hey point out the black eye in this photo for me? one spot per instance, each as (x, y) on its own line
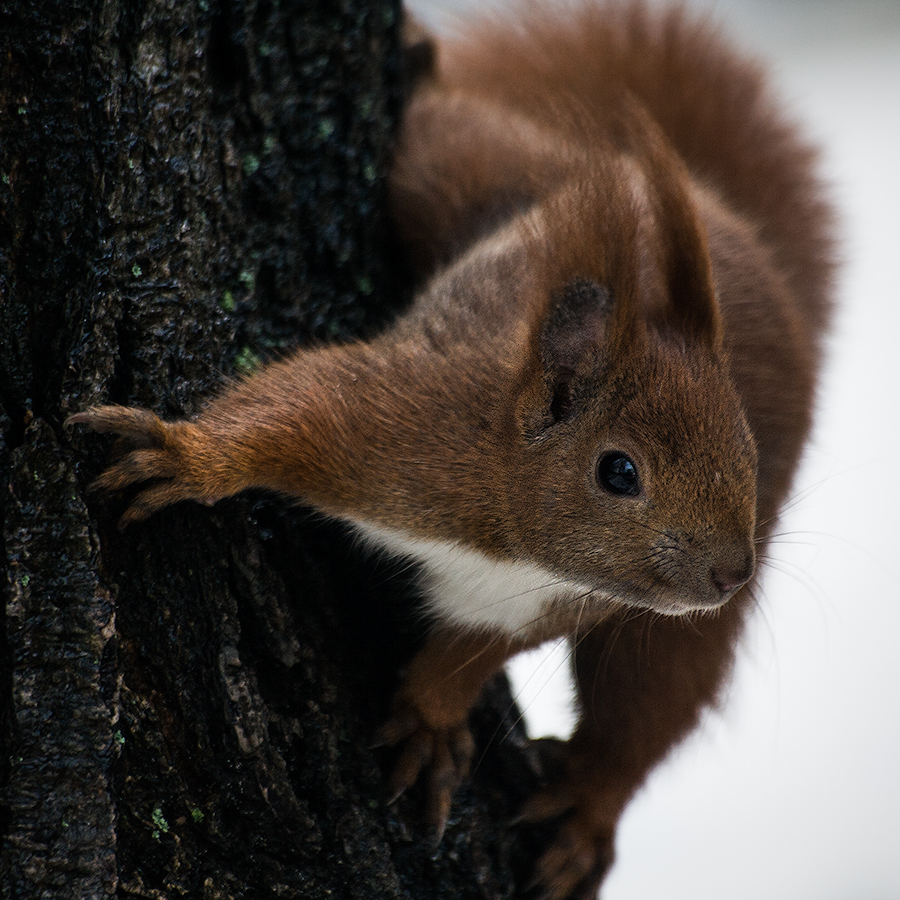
(618, 474)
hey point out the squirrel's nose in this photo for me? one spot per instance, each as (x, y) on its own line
(732, 570)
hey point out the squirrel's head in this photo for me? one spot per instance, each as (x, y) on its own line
(636, 468)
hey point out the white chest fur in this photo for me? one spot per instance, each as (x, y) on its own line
(468, 588)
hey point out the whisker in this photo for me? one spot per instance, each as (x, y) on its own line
(474, 657)
(837, 538)
(801, 576)
(551, 611)
(806, 492)
(663, 533)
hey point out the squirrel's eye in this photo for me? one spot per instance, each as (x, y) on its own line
(618, 474)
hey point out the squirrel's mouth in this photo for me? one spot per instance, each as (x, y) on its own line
(676, 604)
(697, 589)
(670, 598)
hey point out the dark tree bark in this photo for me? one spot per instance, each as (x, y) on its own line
(188, 188)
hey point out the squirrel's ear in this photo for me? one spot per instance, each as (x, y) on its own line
(692, 309)
(572, 344)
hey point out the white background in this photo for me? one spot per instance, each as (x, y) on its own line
(793, 792)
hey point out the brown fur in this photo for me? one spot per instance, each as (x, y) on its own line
(629, 252)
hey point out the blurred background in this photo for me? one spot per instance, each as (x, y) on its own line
(792, 792)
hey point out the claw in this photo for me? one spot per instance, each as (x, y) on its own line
(437, 832)
(576, 863)
(416, 754)
(544, 806)
(445, 751)
(444, 780)
(402, 724)
(140, 426)
(139, 465)
(462, 748)
(149, 501)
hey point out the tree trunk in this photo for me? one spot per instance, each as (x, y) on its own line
(189, 188)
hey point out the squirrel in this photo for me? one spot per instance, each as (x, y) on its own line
(588, 419)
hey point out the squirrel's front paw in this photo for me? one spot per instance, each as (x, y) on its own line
(444, 750)
(149, 450)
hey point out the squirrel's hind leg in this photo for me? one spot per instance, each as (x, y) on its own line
(643, 683)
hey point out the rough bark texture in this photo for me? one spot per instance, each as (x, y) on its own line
(186, 706)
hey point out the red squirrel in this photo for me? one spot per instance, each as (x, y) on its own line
(587, 421)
